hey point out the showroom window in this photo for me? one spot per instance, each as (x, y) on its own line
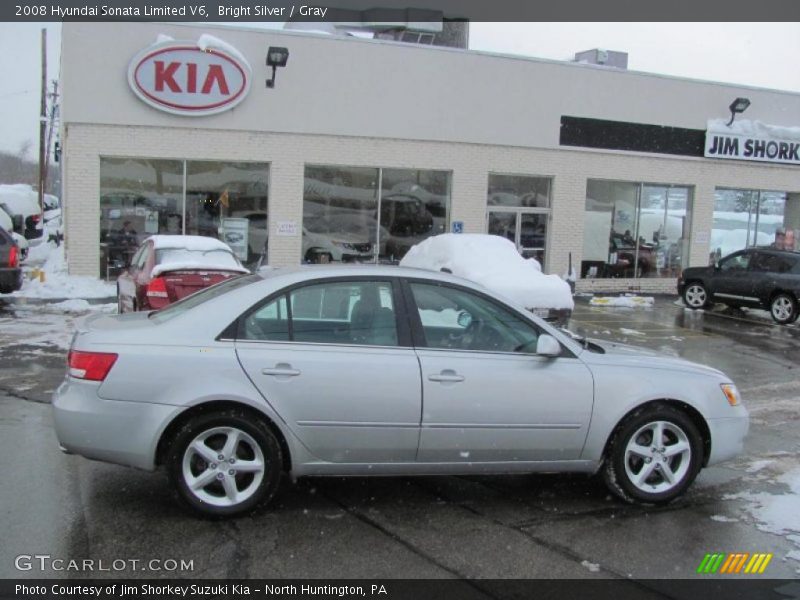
(635, 230)
(745, 218)
(518, 208)
(140, 197)
(361, 214)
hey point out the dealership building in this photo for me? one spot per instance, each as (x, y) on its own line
(352, 149)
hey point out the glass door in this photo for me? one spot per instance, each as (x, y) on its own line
(526, 228)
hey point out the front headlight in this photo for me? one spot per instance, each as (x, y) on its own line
(731, 393)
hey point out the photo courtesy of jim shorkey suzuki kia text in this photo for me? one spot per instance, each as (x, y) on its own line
(191, 590)
(159, 12)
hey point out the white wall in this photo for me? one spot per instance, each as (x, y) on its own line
(355, 87)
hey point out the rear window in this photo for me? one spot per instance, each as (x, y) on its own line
(197, 259)
(198, 298)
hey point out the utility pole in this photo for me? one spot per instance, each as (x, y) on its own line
(43, 124)
(51, 127)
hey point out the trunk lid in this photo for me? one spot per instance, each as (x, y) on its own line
(183, 283)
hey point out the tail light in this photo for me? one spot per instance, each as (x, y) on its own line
(92, 366)
(35, 218)
(13, 257)
(157, 288)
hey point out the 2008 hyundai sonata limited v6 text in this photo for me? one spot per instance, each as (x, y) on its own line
(370, 370)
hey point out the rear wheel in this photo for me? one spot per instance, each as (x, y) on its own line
(654, 456)
(225, 463)
(783, 308)
(695, 295)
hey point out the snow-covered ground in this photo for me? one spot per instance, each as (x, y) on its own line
(57, 283)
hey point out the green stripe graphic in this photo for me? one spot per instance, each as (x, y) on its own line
(718, 563)
(702, 567)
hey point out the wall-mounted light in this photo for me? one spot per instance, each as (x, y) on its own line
(276, 57)
(738, 106)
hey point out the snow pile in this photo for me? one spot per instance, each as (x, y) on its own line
(73, 305)
(626, 331)
(207, 42)
(493, 262)
(753, 129)
(193, 252)
(623, 301)
(58, 284)
(593, 567)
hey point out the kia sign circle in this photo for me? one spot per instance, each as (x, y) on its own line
(183, 79)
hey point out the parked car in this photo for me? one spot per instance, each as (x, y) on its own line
(21, 202)
(494, 262)
(166, 268)
(756, 277)
(8, 224)
(10, 272)
(380, 370)
(339, 238)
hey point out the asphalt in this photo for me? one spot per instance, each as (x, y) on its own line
(542, 526)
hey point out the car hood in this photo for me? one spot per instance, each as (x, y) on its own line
(638, 357)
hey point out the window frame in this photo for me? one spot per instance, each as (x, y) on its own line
(404, 337)
(418, 331)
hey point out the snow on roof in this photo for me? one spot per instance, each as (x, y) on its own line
(20, 198)
(753, 128)
(194, 253)
(493, 262)
(195, 243)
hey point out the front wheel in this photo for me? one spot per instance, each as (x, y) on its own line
(654, 456)
(695, 296)
(783, 309)
(225, 463)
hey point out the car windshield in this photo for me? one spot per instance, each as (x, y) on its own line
(196, 299)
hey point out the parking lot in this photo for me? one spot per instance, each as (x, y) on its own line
(543, 526)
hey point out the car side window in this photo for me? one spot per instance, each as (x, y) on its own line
(772, 263)
(137, 257)
(735, 263)
(268, 323)
(456, 319)
(352, 312)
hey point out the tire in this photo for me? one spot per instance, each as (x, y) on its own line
(206, 488)
(783, 308)
(695, 295)
(627, 470)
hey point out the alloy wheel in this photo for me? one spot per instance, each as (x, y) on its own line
(223, 466)
(782, 309)
(657, 457)
(696, 296)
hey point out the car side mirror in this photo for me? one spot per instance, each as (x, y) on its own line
(547, 345)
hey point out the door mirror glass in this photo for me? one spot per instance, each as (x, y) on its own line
(547, 345)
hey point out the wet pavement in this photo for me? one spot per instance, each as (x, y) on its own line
(550, 526)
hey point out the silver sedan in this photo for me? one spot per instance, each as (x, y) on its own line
(369, 370)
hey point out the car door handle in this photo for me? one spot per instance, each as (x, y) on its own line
(281, 370)
(446, 376)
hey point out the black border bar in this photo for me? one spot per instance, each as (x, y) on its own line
(404, 10)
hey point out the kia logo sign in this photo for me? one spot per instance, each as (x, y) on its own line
(183, 79)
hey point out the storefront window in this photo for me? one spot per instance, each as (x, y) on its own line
(228, 201)
(138, 198)
(143, 197)
(635, 229)
(519, 209)
(744, 218)
(359, 214)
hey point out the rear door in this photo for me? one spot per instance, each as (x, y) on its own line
(335, 361)
(487, 397)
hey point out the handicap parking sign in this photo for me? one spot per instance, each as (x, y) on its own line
(458, 227)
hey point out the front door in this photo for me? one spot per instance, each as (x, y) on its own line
(733, 280)
(487, 397)
(329, 359)
(527, 228)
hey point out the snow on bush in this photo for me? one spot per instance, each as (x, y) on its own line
(493, 262)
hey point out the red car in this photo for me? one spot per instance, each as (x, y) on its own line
(166, 268)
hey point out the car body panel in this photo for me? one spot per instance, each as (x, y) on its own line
(331, 416)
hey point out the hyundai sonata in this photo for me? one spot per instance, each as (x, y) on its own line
(370, 370)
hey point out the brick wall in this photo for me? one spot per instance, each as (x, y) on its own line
(470, 165)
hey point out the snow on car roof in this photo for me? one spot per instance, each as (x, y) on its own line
(493, 262)
(193, 243)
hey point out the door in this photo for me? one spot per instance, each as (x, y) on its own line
(525, 227)
(733, 280)
(330, 359)
(486, 396)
